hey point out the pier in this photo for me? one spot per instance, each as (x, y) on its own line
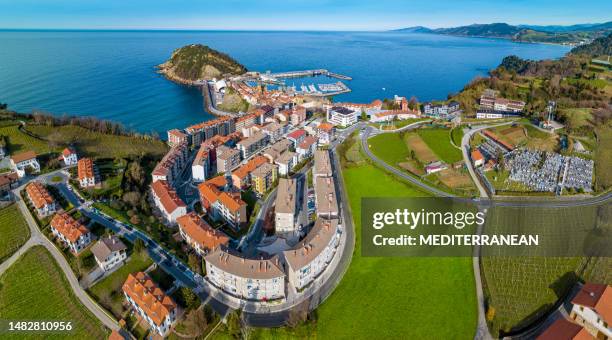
(307, 73)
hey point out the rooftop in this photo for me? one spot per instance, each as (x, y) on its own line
(106, 246)
(167, 196)
(247, 268)
(286, 196)
(200, 232)
(312, 245)
(38, 194)
(149, 297)
(68, 226)
(24, 156)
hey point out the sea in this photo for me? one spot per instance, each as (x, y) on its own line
(112, 75)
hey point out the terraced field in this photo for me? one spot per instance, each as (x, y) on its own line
(20, 142)
(14, 231)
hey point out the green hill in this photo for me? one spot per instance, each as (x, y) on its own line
(195, 62)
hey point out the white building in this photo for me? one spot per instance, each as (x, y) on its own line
(592, 309)
(250, 279)
(173, 163)
(109, 252)
(86, 173)
(309, 258)
(286, 162)
(168, 201)
(341, 116)
(322, 164)
(326, 202)
(69, 156)
(150, 302)
(71, 232)
(306, 148)
(287, 212)
(25, 161)
(42, 201)
(201, 166)
(200, 236)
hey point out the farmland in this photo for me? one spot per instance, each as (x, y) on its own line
(430, 285)
(48, 290)
(14, 231)
(20, 142)
(438, 140)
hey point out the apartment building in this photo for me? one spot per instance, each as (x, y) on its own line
(23, 162)
(298, 115)
(222, 201)
(326, 133)
(306, 148)
(109, 252)
(296, 137)
(440, 110)
(41, 200)
(177, 137)
(250, 279)
(322, 164)
(221, 126)
(69, 156)
(287, 212)
(227, 158)
(274, 151)
(309, 258)
(167, 201)
(286, 162)
(274, 131)
(252, 145)
(202, 165)
(71, 232)
(86, 173)
(341, 116)
(241, 177)
(263, 178)
(326, 201)
(173, 163)
(200, 236)
(150, 302)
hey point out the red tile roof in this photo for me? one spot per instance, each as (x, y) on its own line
(24, 156)
(597, 297)
(38, 194)
(68, 151)
(200, 232)
(297, 134)
(561, 330)
(477, 155)
(167, 196)
(243, 171)
(149, 297)
(68, 226)
(326, 126)
(85, 168)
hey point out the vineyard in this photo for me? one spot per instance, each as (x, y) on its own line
(14, 231)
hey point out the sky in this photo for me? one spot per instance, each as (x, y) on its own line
(293, 14)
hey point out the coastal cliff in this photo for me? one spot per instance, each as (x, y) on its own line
(191, 63)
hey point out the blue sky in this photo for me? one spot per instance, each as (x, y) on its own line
(293, 14)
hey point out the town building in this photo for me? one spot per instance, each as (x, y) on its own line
(322, 164)
(177, 137)
(278, 148)
(288, 218)
(434, 167)
(250, 279)
(109, 252)
(202, 166)
(341, 116)
(71, 232)
(8, 182)
(227, 159)
(391, 115)
(252, 145)
(150, 302)
(369, 109)
(286, 162)
(477, 158)
(592, 309)
(86, 173)
(296, 137)
(167, 201)
(42, 201)
(306, 148)
(326, 133)
(274, 131)
(440, 110)
(490, 102)
(298, 115)
(563, 329)
(241, 177)
(311, 256)
(200, 236)
(69, 156)
(326, 201)
(221, 126)
(222, 201)
(24, 162)
(172, 164)
(492, 114)
(264, 177)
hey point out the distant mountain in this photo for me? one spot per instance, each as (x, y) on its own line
(415, 29)
(554, 34)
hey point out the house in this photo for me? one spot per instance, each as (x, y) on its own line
(306, 148)
(200, 236)
(326, 133)
(245, 278)
(24, 162)
(71, 232)
(326, 201)
(227, 158)
(562, 329)
(288, 213)
(8, 182)
(86, 173)
(341, 116)
(252, 145)
(167, 201)
(322, 164)
(69, 156)
(263, 178)
(477, 158)
(592, 309)
(42, 201)
(150, 302)
(286, 162)
(435, 167)
(310, 257)
(222, 201)
(109, 252)
(296, 137)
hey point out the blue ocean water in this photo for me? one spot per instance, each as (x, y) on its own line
(111, 74)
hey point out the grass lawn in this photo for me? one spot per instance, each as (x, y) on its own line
(438, 141)
(34, 288)
(457, 135)
(603, 158)
(20, 142)
(390, 147)
(397, 297)
(108, 291)
(97, 145)
(14, 231)
(393, 125)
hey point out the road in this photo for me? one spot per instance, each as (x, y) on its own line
(37, 238)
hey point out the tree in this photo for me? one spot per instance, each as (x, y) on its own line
(189, 297)
(413, 104)
(195, 263)
(132, 198)
(234, 324)
(364, 115)
(139, 245)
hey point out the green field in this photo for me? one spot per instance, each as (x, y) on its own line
(97, 145)
(457, 135)
(389, 147)
(396, 124)
(603, 158)
(438, 141)
(14, 231)
(20, 142)
(34, 288)
(397, 297)
(108, 291)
